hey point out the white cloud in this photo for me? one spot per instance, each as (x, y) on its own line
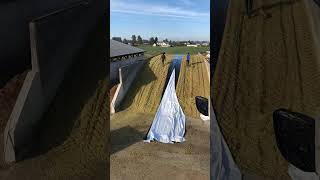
(154, 10)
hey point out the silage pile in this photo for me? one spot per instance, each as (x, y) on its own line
(264, 64)
(145, 93)
(193, 81)
(83, 155)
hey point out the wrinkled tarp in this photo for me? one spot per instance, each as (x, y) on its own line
(297, 174)
(168, 125)
(223, 166)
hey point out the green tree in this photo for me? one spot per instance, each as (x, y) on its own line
(125, 41)
(151, 41)
(140, 40)
(156, 39)
(134, 39)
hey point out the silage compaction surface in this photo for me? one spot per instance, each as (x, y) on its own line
(264, 64)
(146, 91)
(193, 81)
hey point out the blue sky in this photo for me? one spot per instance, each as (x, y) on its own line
(172, 19)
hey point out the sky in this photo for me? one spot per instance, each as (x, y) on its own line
(172, 19)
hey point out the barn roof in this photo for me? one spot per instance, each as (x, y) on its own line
(120, 49)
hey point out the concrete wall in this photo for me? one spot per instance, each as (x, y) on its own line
(15, 15)
(115, 65)
(127, 75)
(207, 64)
(55, 41)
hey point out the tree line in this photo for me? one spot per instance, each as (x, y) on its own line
(138, 40)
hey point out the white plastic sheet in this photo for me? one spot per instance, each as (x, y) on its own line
(168, 125)
(298, 174)
(223, 166)
(204, 118)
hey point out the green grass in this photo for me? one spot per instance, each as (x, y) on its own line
(151, 51)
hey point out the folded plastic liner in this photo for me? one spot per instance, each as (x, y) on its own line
(223, 166)
(297, 174)
(168, 125)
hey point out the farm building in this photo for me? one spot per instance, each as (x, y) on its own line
(163, 44)
(122, 55)
(205, 44)
(192, 45)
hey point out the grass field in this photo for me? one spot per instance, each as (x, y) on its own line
(172, 50)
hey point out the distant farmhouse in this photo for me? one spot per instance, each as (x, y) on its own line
(192, 45)
(163, 44)
(205, 44)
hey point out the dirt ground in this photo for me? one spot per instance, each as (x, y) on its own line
(72, 140)
(265, 63)
(131, 158)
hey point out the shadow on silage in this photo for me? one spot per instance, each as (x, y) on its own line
(79, 84)
(124, 137)
(144, 77)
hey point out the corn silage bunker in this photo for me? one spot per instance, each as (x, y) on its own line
(127, 75)
(56, 39)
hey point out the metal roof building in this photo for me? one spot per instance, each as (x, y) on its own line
(119, 51)
(122, 55)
